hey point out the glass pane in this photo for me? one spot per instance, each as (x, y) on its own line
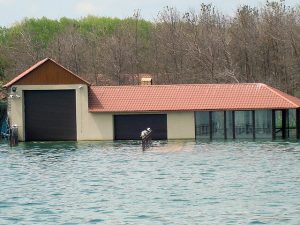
(218, 125)
(263, 124)
(229, 124)
(291, 123)
(278, 123)
(202, 124)
(243, 124)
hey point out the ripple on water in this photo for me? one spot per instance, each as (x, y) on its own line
(172, 183)
(95, 221)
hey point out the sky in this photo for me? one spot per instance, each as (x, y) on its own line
(12, 11)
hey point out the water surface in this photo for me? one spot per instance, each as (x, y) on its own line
(172, 183)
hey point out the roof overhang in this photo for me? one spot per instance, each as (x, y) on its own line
(37, 65)
(188, 97)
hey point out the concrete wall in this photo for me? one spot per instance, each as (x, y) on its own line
(96, 126)
(90, 126)
(181, 125)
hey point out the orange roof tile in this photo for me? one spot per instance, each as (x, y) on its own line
(26, 72)
(188, 97)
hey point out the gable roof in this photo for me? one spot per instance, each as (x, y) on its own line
(188, 97)
(20, 79)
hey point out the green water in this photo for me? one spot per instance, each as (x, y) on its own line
(172, 183)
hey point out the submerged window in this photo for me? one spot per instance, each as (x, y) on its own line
(291, 123)
(209, 125)
(278, 124)
(217, 125)
(229, 124)
(202, 125)
(243, 124)
(263, 124)
(285, 123)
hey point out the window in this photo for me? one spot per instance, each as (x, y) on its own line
(202, 125)
(243, 124)
(229, 124)
(263, 124)
(291, 123)
(239, 124)
(217, 125)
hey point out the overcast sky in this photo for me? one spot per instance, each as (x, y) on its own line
(12, 11)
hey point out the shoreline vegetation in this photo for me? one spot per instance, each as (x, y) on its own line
(199, 46)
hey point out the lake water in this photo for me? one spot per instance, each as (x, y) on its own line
(172, 183)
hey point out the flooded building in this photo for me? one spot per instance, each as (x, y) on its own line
(50, 103)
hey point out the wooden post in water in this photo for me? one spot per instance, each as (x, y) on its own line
(146, 136)
(13, 137)
(284, 123)
(298, 123)
(273, 124)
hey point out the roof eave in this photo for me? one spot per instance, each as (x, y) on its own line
(32, 68)
(21, 75)
(186, 110)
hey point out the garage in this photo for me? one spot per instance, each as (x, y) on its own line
(129, 127)
(50, 115)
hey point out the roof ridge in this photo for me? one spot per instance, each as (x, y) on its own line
(68, 70)
(24, 73)
(280, 95)
(168, 85)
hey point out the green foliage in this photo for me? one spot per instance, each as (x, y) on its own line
(144, 27)
(103, 26)
(99, 25)
(3, 35)
(66, 22)
(41, 30)
(254, 45)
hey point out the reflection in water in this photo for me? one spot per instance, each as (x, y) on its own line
(174, 182)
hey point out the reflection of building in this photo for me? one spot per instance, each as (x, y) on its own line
(48, 102)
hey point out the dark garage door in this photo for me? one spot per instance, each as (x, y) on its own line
(50, 115)
(129, 127)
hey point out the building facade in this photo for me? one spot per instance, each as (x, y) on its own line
(49, 103)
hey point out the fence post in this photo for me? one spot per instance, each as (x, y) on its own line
(146, 136)
(298, 123)
(13, 138)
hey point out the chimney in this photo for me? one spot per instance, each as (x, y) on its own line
(146, 81)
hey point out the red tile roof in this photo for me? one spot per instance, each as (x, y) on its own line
(188, 97)
(26, 72)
